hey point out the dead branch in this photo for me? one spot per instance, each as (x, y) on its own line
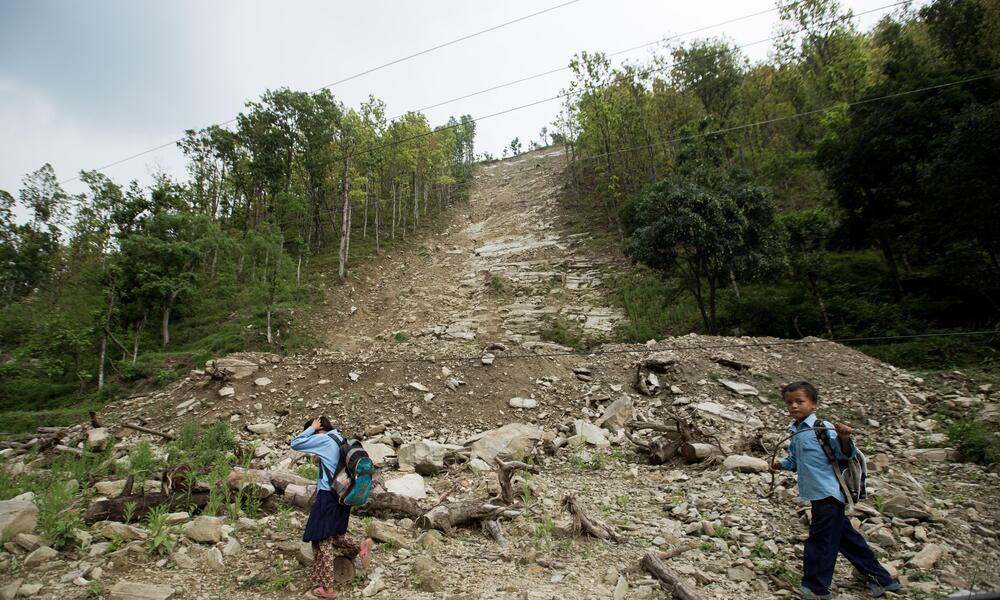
(162, 434)
(492, 528)
(591, 527)
(669, 581)
(388, 502)
(113, 509)
(448, 516)
(675, 551)
(68, 450)
(505, 470)
(93, 420)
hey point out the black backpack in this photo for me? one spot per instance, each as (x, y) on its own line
(852, 474)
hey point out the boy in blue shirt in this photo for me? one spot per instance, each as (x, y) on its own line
(830, 531)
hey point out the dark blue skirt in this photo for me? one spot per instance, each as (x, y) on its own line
(327, 518)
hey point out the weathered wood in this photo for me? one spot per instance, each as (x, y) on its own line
(675, 551)
(492, 528)
(669, 581)
(388, 502)
(505, 470)
(113, 509)
(590, 526)
(448, 516)
(279, 479)
(68, 450)
(697, 451)
(140, 428)
(343, 569)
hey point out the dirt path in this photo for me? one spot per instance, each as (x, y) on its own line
(502, 268)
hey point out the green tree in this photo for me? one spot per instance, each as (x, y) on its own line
(808, 233)
(703, 227)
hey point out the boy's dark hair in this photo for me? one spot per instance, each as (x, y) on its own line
(801, 386)
(324, 422)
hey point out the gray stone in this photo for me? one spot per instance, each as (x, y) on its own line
(429, 539)
(230, 368)
(97, 438)
(617, 414)
(744, 464)
(39, 556)
(227, 392)
(378, 452)
(418, 387)
(110, 489)
(204, 529)
(410, 486)
(425, 456)
(129, 590)
(213, 560)
(9, 590)
(742, 389)
(232, 547)
(28, 590)
(261, 428)
(934, 455)
(380, 531)
(522, 403)
(714, 408)
(513, 440)
(115, 530)
(928, 555)
(426, 575)
(593, 434)
(28, 541)
(183, 561)
(262, 382)
(17, 516)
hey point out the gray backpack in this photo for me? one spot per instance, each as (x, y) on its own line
(852, 474)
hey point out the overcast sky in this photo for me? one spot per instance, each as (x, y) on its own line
(84, 83)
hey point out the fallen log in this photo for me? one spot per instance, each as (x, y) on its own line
(388, 502)
(697, 451)
(590, 526)
(113, 509)
(279, 479)
(446, 517)
(140, 428)
(669, 581)
(68, 450)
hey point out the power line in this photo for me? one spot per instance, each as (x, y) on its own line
(352, 77)
(641, 350)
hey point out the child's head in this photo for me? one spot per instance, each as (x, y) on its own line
(800, 399)
(324, 423)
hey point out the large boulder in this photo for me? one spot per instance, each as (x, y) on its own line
(97, 438)
(513, 440)
(411, 486)
(129, 590)
(230, 368)
(204, 529)
(378, 452)
(425, 456)
(743, 389)
(17, 515)
(617, 414)
(383, 532)
(928, 555)
(714, 408)
(39, 556)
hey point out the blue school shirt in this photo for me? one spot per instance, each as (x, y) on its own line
(322, 446)
(807, 458)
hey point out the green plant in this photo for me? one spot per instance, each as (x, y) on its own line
(158, 543)
(57, 519)
(115, 544)
(781, 571)
(560, 332)
(721, 531)
(976, 441)
(94, 589)
(543, 532)
(759, 550)
(622, 502)
(707, 547)
(308, 470)
(280, 582)
(878, 502)
(400, 336)
(129, 511)
(527, 498)
(496, 285)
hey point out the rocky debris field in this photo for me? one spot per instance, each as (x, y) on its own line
(439, 390)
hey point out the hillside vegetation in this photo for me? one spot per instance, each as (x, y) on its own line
(845, 187)
(124, 286)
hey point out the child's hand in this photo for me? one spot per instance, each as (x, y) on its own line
(776, 465)
(843, 431)
(317, 424)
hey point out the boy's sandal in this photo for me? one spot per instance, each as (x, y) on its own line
(321, 592)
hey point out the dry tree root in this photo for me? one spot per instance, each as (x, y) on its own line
(589, 526)
(682, 437)
(669, 581)
(505, 470)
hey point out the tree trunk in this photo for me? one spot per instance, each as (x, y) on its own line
(135, 343)
(345, 231)
(166, 325)
(735, 284)
(669, 581)
(814, 288)
(697, 452)
(885, 244)
(298, 272)
(416, 202)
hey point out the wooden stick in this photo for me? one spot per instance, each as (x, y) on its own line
(591, 527)
(669, 581)
(69, 450)
(675, 551)
(162, 434)
(93, 419)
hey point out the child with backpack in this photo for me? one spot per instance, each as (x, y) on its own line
(814, 457)
(326, 527)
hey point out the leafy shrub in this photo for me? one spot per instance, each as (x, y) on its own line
(159, 542)
(57, 519)
(976, 441)
(564, 334)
